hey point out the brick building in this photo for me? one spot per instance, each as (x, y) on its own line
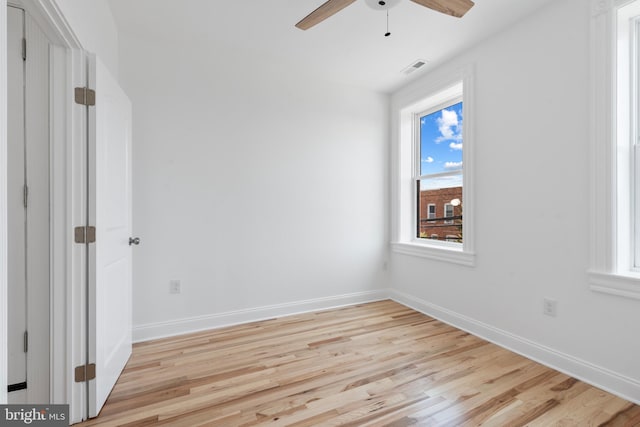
(439, 219)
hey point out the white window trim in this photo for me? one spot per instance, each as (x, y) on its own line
(440, 86)
(609, 270)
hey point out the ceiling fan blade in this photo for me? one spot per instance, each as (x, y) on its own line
(326, 10)
(455, 8)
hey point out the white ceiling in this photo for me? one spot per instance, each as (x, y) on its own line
(349, 47)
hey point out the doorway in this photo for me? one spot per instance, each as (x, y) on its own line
(72, 302)
(28, 209)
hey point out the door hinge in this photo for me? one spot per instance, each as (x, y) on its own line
(17, 387)
(26, 341)
(85, 234)
(24, 49)
(25, 195)
(85, 372)
(85, 96)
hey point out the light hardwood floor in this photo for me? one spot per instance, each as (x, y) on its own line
(377, 364)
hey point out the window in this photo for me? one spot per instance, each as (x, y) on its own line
(448, 213)
(432, 168)
(615, 153)
(627, 133)
(439, 157)
(633, 142)
(431, 212)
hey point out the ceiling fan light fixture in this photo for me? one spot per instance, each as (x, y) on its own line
(456, 8)
(382, 4)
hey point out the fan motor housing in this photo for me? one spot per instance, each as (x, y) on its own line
(381, 4)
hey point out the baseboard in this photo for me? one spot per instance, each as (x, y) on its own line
(171, 328)
(600, 377)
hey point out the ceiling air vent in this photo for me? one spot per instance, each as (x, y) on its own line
(413, 67)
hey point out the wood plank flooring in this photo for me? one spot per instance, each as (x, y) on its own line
(377, 364)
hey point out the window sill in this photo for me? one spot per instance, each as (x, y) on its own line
(623, 285)
(439, 253)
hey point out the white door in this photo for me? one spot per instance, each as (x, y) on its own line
(16, 218)
(110, 271)
(28, 214)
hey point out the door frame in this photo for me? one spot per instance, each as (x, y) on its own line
(68, 151)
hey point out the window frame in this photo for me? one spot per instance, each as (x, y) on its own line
(611, 270)
(437, 88)
(634, 142)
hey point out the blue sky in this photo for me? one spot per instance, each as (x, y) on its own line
(441, 140)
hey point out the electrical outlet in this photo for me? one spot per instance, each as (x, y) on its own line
(550, 307)
(174, 287)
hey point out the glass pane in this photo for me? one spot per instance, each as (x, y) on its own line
(443, 193)
(441, 140)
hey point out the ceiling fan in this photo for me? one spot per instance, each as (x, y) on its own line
(456, 8)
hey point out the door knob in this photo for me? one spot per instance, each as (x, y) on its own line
(134, 241)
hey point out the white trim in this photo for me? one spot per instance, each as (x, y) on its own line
(3, 202)
(59, 231)
(67, 195)
(171, 328)
(602, 177)
(76, 188)
(615, 284)
(49, 17)
(434, 89)
(600, 377)
(445, 251)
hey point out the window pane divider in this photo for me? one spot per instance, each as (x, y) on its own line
(440, 174)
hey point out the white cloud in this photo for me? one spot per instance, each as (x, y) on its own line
(453, 165)
(456, 145)
(428, 160)
(449, 126)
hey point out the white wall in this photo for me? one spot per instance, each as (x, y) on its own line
(532, 181)
(253, 186)
(93, 24)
